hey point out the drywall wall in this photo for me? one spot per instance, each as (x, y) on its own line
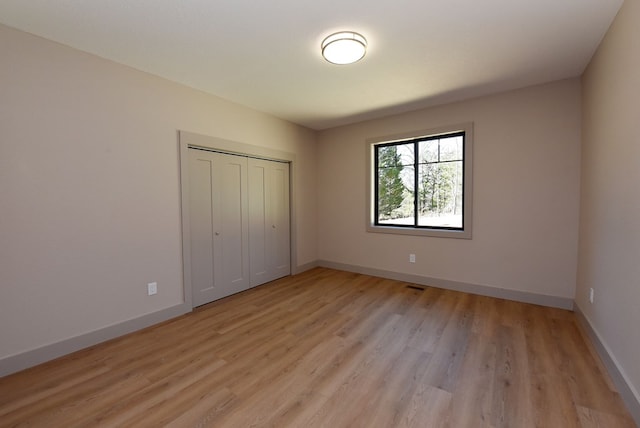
(525, 202)
(609, 247)
(90, 190)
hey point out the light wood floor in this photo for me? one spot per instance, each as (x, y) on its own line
(330, 349)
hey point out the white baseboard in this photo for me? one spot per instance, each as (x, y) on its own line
(629, 395)
(483, 290)
(24, 360)
(305, 267)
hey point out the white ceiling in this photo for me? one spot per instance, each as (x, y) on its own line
(266, 54)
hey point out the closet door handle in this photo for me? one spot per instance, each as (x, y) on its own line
(217, 233)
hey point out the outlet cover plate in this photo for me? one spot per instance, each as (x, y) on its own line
(152, 288)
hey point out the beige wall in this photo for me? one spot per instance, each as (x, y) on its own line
(609, 251)
(526, 194)
(90, 192)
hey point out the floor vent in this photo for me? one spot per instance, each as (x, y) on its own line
(415, 287)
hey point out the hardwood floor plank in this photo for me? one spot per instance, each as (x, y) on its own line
(550, 396)
(330, 349)
(472, 399)
(206, 411)
(578, 369)
(393, 391)
(512, 391)
(193, 380)
(451, 346)
(20, 391)
(429, 408)
(438, 312)
(590, 418)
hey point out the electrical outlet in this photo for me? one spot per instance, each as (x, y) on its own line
(412, 258)
(591, 295)
(152, 288)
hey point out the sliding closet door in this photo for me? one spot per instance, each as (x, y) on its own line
(269, 251)
(218, 220)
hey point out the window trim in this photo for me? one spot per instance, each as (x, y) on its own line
(465, 233)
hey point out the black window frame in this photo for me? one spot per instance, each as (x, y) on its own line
(464, 130)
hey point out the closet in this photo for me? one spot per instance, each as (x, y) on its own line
(239, 223)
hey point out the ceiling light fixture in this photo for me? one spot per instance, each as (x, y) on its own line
(345, 47)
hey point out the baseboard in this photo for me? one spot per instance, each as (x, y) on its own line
(305, 267)
(629, 395)
(18, 362)
(483, 290)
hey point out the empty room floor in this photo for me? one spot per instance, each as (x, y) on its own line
(328, 348)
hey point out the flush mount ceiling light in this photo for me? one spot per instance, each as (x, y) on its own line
(345, 47)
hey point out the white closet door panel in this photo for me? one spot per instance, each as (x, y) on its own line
(258, 253)
(269, 220)
(201, 228)
(233, 223)
(218, 220)
(279, 208)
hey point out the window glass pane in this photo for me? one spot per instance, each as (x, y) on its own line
(450, 149)
(406, 152)
(440, 194)
(428, 151)
(387, 156)
(395, 194)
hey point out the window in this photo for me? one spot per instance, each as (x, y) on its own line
(420, 184)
